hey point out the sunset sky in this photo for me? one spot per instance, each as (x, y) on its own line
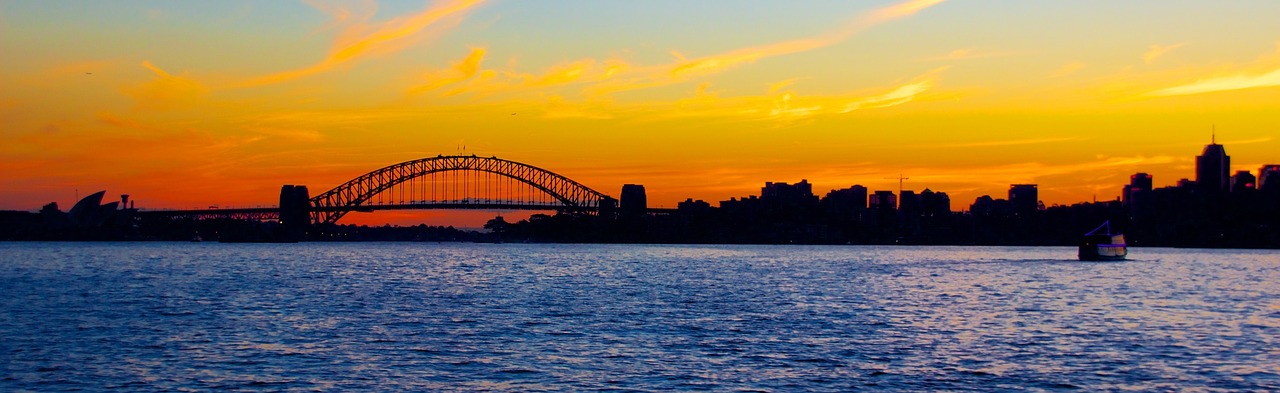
(184, 103)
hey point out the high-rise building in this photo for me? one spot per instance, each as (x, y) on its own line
(634, 201)
(1024, 198)
(1212, 169)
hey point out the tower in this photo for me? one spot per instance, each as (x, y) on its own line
(634, 202)
(1212, 166)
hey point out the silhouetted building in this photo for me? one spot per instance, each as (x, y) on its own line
(909, 203)
(1024, 198)
(295, 210)
(1139, 183)
(847, 204)
(1269, 178)
(987, 206)
(788, 194)
(1243, 181)
(1136, 196)
(882, 200)
(934, 204)
(788, 201)
(634, 201)
(608, 207)
(690, 206)
(91, 212)
(1212, 168)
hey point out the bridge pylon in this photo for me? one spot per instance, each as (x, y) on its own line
(295, 208)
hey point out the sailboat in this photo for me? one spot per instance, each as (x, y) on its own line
(1102, 245)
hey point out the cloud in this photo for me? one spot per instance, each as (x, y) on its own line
(487, 81)
(167, 91)
(898, 96)
(1156, 51)
(1222, 83)
(616, 76)
(360, 40)
(1248, 141)
(464, 69)
(787, 105)
(717, 63)
(1265, 72)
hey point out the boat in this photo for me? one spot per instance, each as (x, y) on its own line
(1102, 245)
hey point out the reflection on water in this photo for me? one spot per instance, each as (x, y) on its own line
(165, 317)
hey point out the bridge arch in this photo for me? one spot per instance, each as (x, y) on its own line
(355, 194)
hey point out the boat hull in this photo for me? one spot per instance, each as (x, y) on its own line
(1103, 252)
(1102, 245)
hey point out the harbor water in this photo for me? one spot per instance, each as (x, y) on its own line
(520, 317)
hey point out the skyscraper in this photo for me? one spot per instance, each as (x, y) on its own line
(1212, 167)
(634, 201)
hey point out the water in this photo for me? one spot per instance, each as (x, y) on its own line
(474, 317)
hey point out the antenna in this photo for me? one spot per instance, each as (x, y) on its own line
(1213, 135)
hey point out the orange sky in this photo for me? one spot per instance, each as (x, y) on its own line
(184, 105)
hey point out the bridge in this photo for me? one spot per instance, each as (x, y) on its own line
(441, 182)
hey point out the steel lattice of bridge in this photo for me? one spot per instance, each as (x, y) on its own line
(457, 182)
(441, 182)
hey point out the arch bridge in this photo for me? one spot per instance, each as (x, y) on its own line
(440, 182)
(449, 182)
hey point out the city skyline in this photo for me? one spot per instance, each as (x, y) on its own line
(186, 104)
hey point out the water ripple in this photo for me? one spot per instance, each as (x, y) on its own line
(324, 317)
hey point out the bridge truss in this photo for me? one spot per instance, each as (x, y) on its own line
(457, 182)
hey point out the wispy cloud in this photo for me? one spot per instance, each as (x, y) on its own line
(787, 105)
(602, 78)
(715, 63)
(1156, 51)
(361, 40)
(166, 91)
(1265, 72)
(898, 96)
(1248, 141)
(464, 69)
(1223, 83)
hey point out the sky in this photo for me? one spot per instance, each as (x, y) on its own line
(184, 104)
